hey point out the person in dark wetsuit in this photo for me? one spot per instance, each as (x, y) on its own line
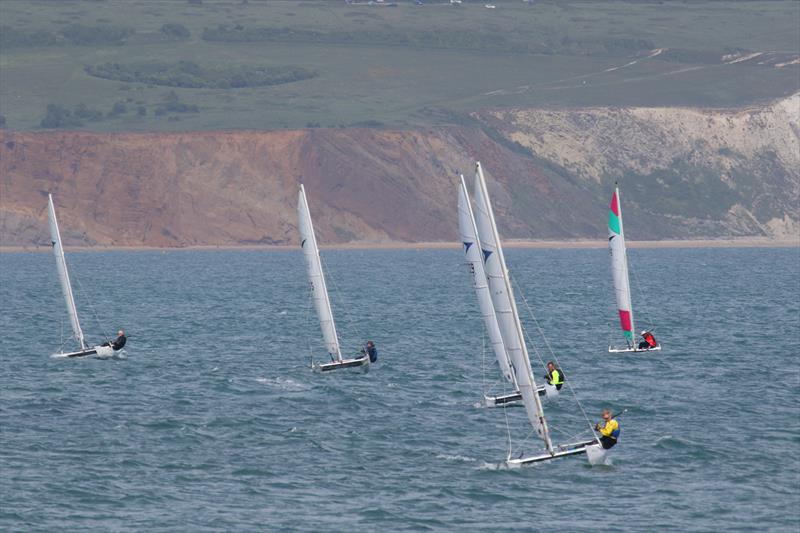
(554, 376)
(648, 342)
(372, 352)
(117, 343)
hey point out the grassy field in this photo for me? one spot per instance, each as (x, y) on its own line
(393, 66)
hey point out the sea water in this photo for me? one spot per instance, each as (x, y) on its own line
(213, 420)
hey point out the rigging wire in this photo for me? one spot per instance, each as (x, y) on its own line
(340, 296)
(305, 327)
(640, 290)
(94, 311)
(483, 363)
(552, 354)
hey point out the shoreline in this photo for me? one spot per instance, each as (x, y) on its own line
(745, 242)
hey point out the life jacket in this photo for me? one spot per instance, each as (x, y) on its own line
(373, 354)
(557, 377)
(650, 340)
(615, 432)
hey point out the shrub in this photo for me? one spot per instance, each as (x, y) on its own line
(175, 31)
(119, 108)
(187, 74)
(96, 35)
(59, 117)
(83, 112)
(12, 37)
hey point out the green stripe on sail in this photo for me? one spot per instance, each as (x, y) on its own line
(613, 222)
(629, 335)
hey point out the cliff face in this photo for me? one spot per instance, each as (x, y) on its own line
(685, 173)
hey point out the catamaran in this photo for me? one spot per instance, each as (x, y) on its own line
(503, 300)
(319, 293)
(622, 283)
(66, 289)
(472, 249)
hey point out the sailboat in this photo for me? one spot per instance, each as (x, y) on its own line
(622, 282)
(66, 289)
(319, 292)
(472, 249)
(502, 296)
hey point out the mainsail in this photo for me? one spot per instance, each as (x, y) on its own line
(63, 275)
(319, 290)
(472, 249)
(506, 308)
(619, 267)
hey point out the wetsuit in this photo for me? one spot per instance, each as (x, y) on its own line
(373, 354)
(118, 343)
(609, 434)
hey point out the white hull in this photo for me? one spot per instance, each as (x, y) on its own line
(562, 450)
(550, 391)
(597, 455)
(97, 351)
(614, 349)
(503, 399)
(358, 362)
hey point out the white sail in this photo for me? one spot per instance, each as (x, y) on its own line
(472, 249)
(506, 308)
(619, 268)
(319, 290)
(63, 275)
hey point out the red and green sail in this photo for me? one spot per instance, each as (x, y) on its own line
(619, 267)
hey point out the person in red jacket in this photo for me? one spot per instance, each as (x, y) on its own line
(648, 342)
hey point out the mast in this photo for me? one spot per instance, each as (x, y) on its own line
(619, 267)
(63, 274)
(319, 290)
(506, 308)
(472, 249)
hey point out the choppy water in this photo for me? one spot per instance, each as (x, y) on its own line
(214, 421)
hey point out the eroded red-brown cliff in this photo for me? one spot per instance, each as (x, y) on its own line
(685, 173)
(229, 188)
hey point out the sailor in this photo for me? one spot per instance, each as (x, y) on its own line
(609, 433)
(554, 376)
(372, 352)
(118, 343)
(648, 342)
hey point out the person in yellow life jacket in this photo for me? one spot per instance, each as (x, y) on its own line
(554, 376)
(648, 342)
(609, 433)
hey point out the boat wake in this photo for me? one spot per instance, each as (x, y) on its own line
(284, 384)
(459, 458)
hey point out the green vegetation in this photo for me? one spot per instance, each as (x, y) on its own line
(81, 115)
(398, 67)
(75, 34)
(59, 117)
(11, 37)
(191, 75)
(172, 104)
(104, 34)
(176, 31)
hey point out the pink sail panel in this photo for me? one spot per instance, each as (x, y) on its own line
(625, 323)
(625, 320)
(614, 204)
